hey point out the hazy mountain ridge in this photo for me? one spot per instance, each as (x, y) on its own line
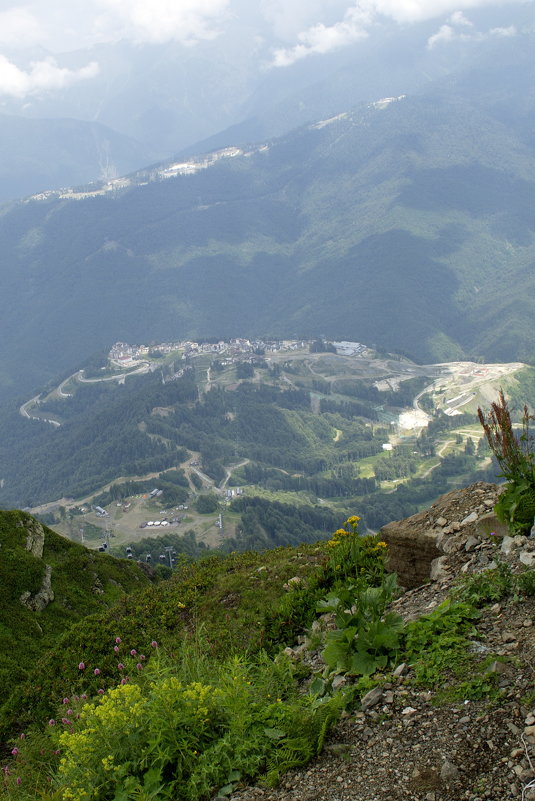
(416, 213)
(38, 154)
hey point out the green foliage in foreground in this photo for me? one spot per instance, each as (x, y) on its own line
(216, 703)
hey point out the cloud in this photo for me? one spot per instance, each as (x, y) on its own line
(359, 18)
(322, 38)
(42, 76)
(160, 21)
(457, 30)
(19, 27)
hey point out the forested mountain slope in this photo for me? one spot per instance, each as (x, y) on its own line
(406, 223)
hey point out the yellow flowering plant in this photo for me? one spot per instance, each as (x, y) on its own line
(354, 556)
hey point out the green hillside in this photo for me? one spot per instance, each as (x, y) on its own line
(406, 224)
(47, 583)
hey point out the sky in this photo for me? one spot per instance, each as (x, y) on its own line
(291, 30)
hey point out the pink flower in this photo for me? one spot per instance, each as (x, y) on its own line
(154, 644)
(142, 657)
(83, 697)
(81, 666)
(133, 652)
(56, 752)
(69, 712)
(75, 698)
(123, 681)
(100, 692)
(22, 736)
(116, 649)
(65, 700)
(139, 666)
(15, 751)
(51, 722)
(118, 640)
(66, 721)
(97, 671)
(18, 780)
(120, 666)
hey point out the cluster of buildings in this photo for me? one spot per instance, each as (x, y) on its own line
(124, 353)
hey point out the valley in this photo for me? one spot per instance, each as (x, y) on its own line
(336, 425)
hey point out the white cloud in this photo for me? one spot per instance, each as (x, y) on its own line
(322, 39)
(41, 76)
(161, 21)
(457, 30)
(458, 18)
(444, 34)
(359, 17)
(510, 31)
(19, 27)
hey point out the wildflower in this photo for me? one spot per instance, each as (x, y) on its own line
(124, 680)
(133, 652)
(66, 721)
(51, 722)
(382, 545)
(18, 780)
(116, 649)
(22, 736)
(15, 751)
(65, 700)
(69, 712)
(493, 534)
(353, 520)
(120, 666)
(154, 644)
(81, 666)
(100, 692)
(97, 671)
(139, 666)
(142, 657)
(118, 640)
(83, 697)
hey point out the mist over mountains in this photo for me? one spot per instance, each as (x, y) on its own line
(404, 220)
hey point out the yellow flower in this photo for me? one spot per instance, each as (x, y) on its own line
(332, 543)
(353, 519)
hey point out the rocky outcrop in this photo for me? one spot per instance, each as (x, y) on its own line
(41, 599)
(456, 522)
(35, 539)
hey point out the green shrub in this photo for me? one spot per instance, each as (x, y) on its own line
(437, 644)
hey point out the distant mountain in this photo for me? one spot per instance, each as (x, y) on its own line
(37, 154)
(405, 223)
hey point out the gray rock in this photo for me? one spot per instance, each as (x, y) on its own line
(439, 569)
(35, 540)
(41, 599)
(339, 681)
(527, 558)
(371, 698)
(471, 518)
(471, 543)
(448, 772)
(441, 521)
(401, 670)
